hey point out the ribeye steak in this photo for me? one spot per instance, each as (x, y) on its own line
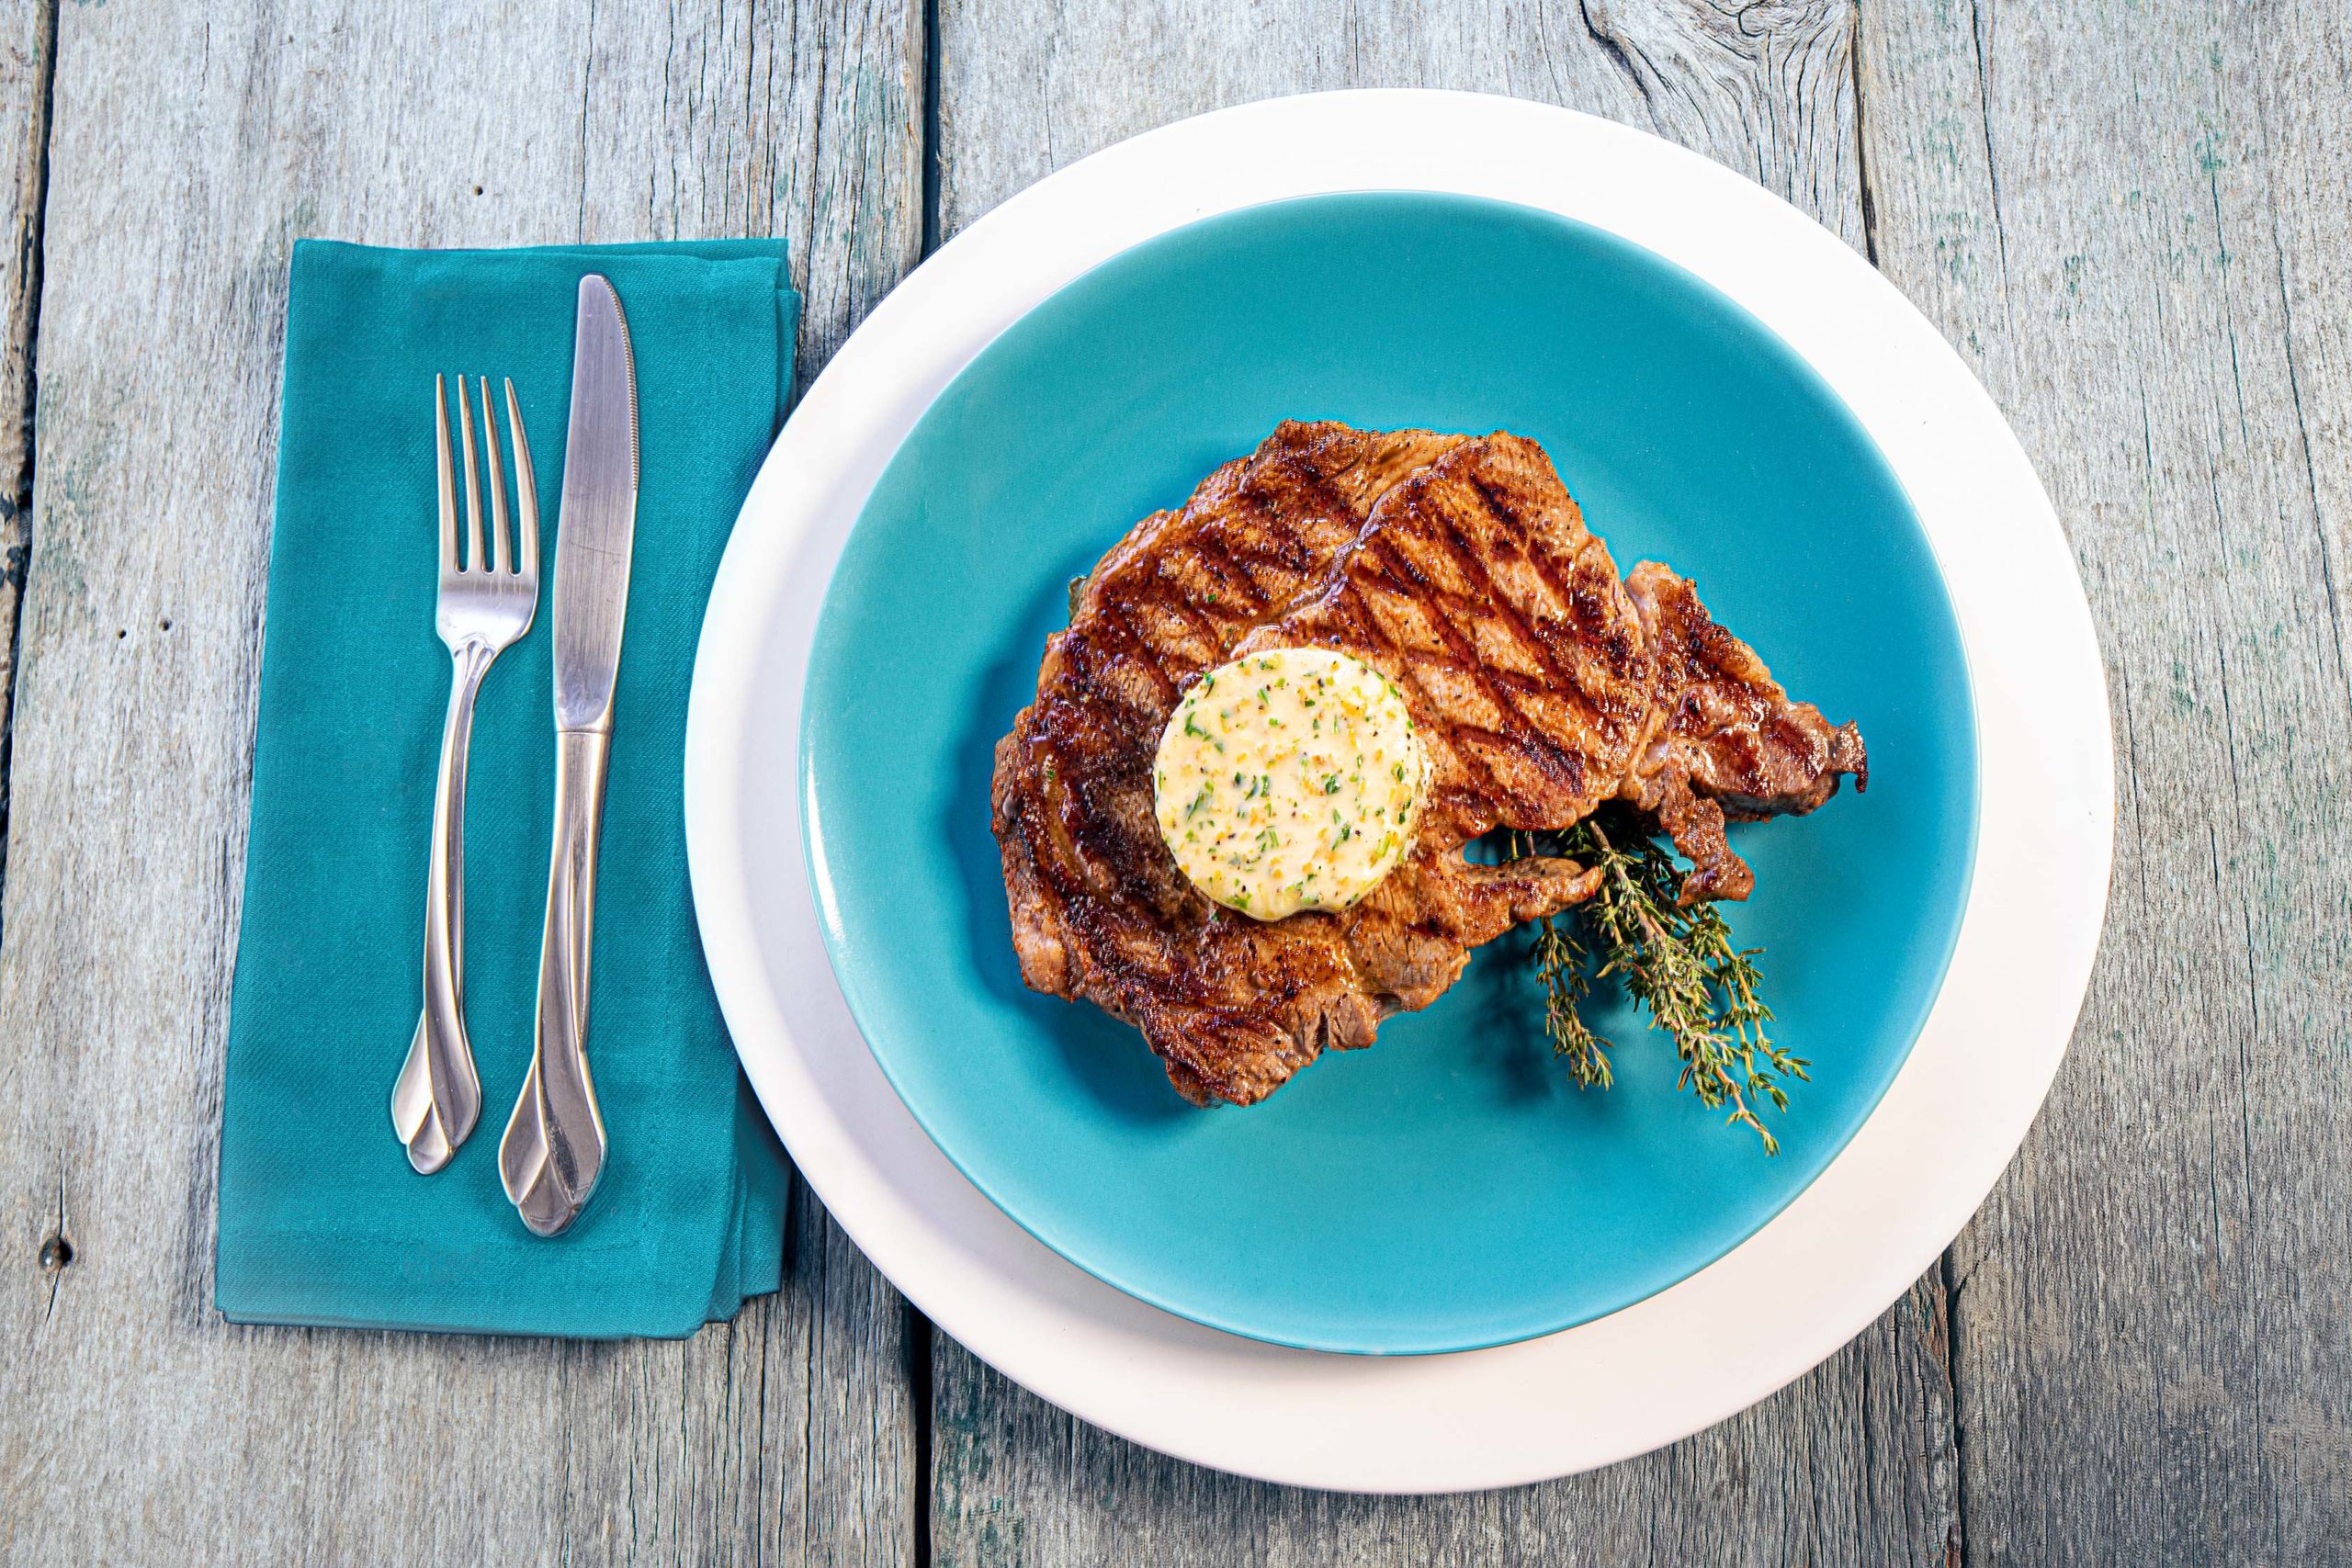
(1542, 685)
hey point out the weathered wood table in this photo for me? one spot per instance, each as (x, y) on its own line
(2131, 217)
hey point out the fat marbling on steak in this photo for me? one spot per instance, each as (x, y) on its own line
(1461, 569)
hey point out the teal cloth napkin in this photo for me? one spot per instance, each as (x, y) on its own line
(321, 1220)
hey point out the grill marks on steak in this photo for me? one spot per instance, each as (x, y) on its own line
(1171, 598)
(1232, 1006)
(1464, 571)
(1726, 741)
(1098, 908)
(1477, 589)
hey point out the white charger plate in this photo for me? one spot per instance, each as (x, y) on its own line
(1693, 1354)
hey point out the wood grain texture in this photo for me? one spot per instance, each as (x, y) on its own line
(1856, 1463)
(1028, 86)
(28, 41)
(2134, 219)
(191, 146)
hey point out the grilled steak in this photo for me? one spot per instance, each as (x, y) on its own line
(1727, 742)
(1072, 793)
(1462, 570)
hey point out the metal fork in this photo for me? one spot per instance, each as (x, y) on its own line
(481, 610)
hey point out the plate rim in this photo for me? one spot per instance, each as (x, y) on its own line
(1813, 1276)
(1362, 1340)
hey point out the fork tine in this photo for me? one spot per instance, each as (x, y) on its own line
(527, 489)
(448, 485)
(498, 546)
(473, 482)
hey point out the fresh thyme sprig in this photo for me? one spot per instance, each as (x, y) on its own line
(1561, 964)
(1680, 965)
(1564, 968)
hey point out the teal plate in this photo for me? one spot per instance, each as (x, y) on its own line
(1448, 1187)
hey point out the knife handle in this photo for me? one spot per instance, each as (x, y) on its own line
(554, 1148)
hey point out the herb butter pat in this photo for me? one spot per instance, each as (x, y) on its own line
(1289, 780)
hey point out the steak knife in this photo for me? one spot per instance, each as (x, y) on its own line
(554, 1148)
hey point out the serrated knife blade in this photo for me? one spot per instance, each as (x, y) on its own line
(598, 522)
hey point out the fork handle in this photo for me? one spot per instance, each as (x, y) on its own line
(441, 1061)
(554, 1148)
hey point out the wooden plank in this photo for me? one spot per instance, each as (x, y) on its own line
(193, 143)
(1854, 1464)
(1767, 90)
(2133, 218)
(28, 49)
(1856, 1461)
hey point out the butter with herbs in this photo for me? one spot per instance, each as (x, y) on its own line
(1290, 779)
